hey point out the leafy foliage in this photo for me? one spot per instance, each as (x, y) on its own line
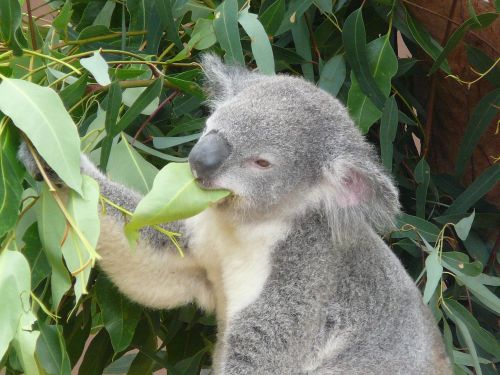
(120, 80)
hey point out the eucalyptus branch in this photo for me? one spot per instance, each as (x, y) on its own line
(57, 198)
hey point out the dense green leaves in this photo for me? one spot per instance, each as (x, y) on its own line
(10, 32)
(119, 315)
(480, 119)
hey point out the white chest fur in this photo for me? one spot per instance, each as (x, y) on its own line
(237, 258)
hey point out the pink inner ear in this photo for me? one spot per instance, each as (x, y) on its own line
(353, 190)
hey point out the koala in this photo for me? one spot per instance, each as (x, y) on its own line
(292, 263)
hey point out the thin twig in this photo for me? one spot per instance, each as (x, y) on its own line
(152, 115)
(31, 24)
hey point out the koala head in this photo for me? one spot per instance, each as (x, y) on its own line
(280, 144)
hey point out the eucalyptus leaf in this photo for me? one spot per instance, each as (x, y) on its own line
(51, 350)
(11, 174)
(51, 228)
(40, 114)
(388, 130)
(226, 29)
(98, 67)
(78, 258)
(120, 316)
(382, 63)
(261, 47)
(434, 271)
(127, 166)
(463, 226)
(333, 75)
(175, 195)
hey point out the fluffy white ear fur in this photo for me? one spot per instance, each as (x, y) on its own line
(354, 193)
(223, 81)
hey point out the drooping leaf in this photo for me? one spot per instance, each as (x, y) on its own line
(382, 64)
(120, 316)
(475, 191)
(51, 350)
(16, 318)
(426, 42)
(98, 355)
(40, 114)
(98, 67)
(388, 130)
(261, 47)
(434, 270)
(466, 335)
(226, 29)
(10, 180)
(482, 116)
(111, 119)
(332, 75)
(463, 226)
(175, 195)
(354, 38)
(33, 252)
(422, 177)
(301, 39)
(78, 258)
(51, 228)
(484, 20)
(128, 167)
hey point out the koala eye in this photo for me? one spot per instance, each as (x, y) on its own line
(262, 163)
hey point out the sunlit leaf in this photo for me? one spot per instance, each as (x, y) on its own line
(40, 114)
(98, 67)
(434, 271)
(259, 41)
(175, 195)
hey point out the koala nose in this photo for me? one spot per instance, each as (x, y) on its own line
(208, 155)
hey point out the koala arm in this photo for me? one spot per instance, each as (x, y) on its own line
(153, 274)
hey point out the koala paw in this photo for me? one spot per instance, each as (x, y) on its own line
(25, 156)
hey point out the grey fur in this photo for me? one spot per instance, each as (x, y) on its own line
(336, 300)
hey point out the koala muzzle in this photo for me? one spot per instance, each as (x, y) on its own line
(208, 155)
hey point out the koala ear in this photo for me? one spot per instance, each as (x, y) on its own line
(223, 81)
(360, 192)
